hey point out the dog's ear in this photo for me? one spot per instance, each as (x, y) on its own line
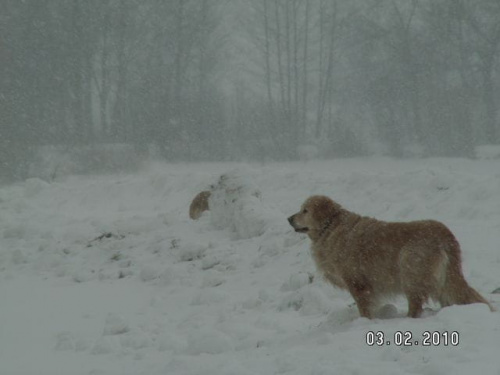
(324, 209)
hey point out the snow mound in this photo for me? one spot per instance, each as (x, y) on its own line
(149, 273)
(190, 251)
(34, 186)
(115, 324)
(297, 281)
(236, 203)
(308, 301)
(208, 341)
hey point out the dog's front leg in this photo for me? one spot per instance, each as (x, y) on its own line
(362, 293)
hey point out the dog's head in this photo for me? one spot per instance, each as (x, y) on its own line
(315, 215)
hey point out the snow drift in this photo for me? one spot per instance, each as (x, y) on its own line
(107, 275)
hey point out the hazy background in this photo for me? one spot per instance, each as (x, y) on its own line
(96, 84)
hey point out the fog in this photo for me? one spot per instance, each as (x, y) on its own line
(105, 83)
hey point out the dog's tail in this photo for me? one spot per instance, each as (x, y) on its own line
(455, 289)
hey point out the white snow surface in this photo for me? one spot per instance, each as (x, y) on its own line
(105, 275)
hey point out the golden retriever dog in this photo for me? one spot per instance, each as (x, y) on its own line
(374, 259)
(199, 205)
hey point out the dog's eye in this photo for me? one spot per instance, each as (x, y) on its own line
(304, 211)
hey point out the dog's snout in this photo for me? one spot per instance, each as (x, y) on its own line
(290, 219)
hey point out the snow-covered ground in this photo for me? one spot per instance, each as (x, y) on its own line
(107, 274)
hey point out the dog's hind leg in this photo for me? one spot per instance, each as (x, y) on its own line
(421, 273)
(415, 305)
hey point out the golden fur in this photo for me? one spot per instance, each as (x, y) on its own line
(199, 205)
(373, 259)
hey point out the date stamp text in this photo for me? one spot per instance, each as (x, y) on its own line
(408, 338)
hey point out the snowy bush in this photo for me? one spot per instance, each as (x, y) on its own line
(486, 152)
(51, 162)
(108, 157)
(54, 161)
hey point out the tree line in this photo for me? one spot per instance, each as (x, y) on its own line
(257, 80)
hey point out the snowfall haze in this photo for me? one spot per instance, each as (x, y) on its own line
(219, 80)
(115, 114)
